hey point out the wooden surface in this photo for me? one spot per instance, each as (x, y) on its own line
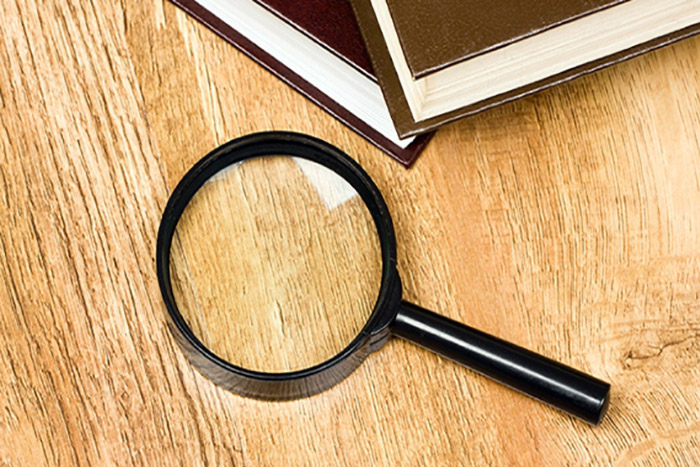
(568, 222)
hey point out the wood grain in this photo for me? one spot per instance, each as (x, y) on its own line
(568, 222)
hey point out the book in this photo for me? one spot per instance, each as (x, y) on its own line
(314, 46)
(440, 60)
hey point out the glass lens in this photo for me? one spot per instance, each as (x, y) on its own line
(276, 264)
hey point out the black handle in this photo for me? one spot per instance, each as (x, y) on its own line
(563, 387)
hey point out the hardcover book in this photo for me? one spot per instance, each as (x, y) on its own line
(316, 47)
(440, 60)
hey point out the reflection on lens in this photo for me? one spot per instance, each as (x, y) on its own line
(276, 264)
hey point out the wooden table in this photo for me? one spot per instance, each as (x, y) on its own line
(568, 223)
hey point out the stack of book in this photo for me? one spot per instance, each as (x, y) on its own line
(396, 70)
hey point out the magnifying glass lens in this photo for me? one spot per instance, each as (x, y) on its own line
(276, 264)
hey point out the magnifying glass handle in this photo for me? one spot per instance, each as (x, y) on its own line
(552, 382)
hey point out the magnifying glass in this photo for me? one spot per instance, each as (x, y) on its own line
(276, 259)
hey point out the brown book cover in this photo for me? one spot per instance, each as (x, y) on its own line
(436, 35)
(331, 24)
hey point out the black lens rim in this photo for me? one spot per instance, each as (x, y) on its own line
(309, 381)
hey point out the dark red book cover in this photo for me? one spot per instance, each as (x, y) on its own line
(332, 24)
